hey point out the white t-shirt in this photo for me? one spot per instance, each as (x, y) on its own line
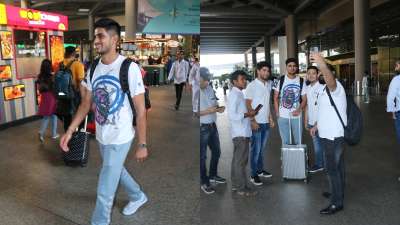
(328, 122)
(260, 93)
(289, 99)
(312, 92)
(113, 112)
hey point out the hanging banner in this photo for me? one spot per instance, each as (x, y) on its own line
(168, 17)
(31, 18)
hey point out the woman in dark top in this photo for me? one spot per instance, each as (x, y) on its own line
(47, 106)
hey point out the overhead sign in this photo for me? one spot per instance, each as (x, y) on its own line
(31, 18)
(169, 17)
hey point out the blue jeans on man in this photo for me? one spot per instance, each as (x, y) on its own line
(112, 173)
(334, 165)
(259, 141)
(318, 153)
(283, 124)
(397, 125)
(209, 137)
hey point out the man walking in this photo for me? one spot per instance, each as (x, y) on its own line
(179, 72)
(194, 81)
(114, 130)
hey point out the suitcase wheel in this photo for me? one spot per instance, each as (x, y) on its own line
(83, 164)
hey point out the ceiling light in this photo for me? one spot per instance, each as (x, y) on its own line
(83, 10)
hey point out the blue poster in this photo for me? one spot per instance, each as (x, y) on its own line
(169, 17)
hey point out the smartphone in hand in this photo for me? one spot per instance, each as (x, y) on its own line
(258, 108)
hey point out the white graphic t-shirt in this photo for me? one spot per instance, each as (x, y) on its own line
(113, 112)
(289, 97)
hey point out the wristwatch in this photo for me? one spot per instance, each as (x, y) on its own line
(142, 145)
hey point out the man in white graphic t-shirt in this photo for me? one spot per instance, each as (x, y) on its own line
(289, 102)
(114, 117)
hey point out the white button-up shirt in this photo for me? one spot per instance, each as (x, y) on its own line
(240, 126)
(259, 93)
(393, 96)
(194, 75)
(179, 71)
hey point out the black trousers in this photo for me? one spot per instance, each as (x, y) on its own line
(178, 91)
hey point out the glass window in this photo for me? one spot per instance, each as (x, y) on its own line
(30, 51)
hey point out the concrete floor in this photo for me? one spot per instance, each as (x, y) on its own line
(372, 192)
(37, 189)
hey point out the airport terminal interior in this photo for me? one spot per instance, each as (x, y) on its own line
(356, 37)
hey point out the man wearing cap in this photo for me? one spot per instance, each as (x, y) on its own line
(209, 133)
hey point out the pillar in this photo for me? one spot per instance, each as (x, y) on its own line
(131, 10)
(267, 49)
(291, 36)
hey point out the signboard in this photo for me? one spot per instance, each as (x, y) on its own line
(56, 51)
(14, 92)
(5, 73)
(169, 17)
(31, 18)
(7, 50)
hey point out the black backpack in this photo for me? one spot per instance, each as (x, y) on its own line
(353, 130)
(63, 87)
(123, 80)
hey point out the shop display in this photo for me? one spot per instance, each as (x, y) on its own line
(7, 51)
(56, 51)
(14, 92)
(5, 73)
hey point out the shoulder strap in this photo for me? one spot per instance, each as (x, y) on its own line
(301, 84)
(69, 64)
(334, 106)
(92, 68)
(281, 81)
(123, 80)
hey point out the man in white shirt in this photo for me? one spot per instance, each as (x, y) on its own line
(289, 102)
(179, 73)
(393, 99)
(194, 81)
(239, 120)
(258, 93)
(310, 115)
(114, 117)
(209, 136)
(365, 87)
(331, 132)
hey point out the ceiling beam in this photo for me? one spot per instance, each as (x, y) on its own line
(304, 4)
(268, 5)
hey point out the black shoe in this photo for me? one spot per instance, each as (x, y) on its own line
(176, 107)
(326, 194)
(218, 180)
(256, 180)
(264, 174)
(332, 209)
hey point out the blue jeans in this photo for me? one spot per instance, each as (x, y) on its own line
(209, 137)
(397, 125)
(113, 172)
(45, 123)
(334, 165)
(318, 153)
(283, 124)
(259, 140)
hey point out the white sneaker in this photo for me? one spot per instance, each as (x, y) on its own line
(56, 136)
(132, 207)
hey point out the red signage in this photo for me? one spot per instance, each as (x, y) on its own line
(35, 19)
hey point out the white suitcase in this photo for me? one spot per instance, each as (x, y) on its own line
(294, 160)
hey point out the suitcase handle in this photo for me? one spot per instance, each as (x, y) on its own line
(290, 129)
(84, 129)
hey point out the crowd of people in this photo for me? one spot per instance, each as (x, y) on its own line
(317, 103)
